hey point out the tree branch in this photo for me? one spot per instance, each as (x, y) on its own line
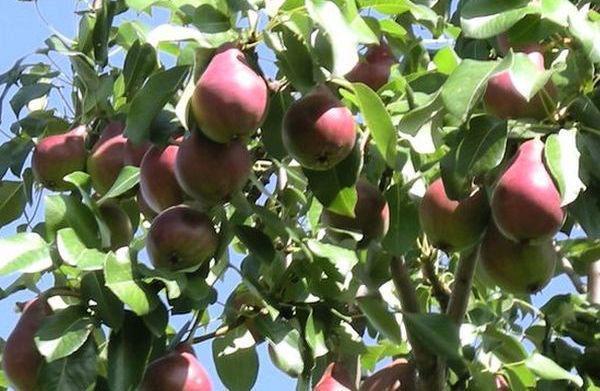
(567, 267)
(438, 289)
(594, 282)
(463, 281)
(430, 377)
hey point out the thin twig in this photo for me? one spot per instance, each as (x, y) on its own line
(567, 267)
(594, 282)
(438, 289)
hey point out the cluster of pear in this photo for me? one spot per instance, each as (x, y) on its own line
(515, 246)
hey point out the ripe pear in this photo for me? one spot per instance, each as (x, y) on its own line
(158, 183)
(21, 361)
(400, 375)
(230, 100)
(335, 378)
(181, 238)
(374, 69)
(526, 204)
(318, 130)
(118, 222)
(56, 156)
(211, 172)
(372, 214)
(502, 99)
(453, 225)
(516, 267)
(178, 370)
(106, 159)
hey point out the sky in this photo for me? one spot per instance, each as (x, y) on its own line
(22, 31)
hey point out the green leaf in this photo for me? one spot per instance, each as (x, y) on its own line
(376, 311)
(404, 221)
(236, 359)
(157, 320)
(75, 372)
(388, 6)
(342, 258)
(107, 305)
(436, 333)
(315, 335)
(339, 34)
(101, 33)
(466, 85)
(128, 352)
(586, 211)
(378, 121)
(548, 369)
(28, 93)
(446, 60)
(74, 253)
(24, 253)
(335, 188)
(128, 178)
(506, 347)
(139, 64)
(486, 18)
(258, 243)
(150, 99)
(562, 159)
(173, 33)
(118, 273)
(63, 211)
(285, 346)
(63, 333)
(418, 125)
(587, 33)
(12, 201)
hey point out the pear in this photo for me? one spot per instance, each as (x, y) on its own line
(335, 378)
(106, 159)
(526, 204)
(118, 223)
(181, 238)
(318, 130)
(158, 184)
(178, 370)
(21, 360)
(56, 156)
(230, 100)
(523, 268)
(397, 376)
(211, 172)
(453, 225)
(374, 69)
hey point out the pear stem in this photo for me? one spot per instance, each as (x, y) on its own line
(431, 375)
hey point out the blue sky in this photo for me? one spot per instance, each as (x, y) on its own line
(22, 32)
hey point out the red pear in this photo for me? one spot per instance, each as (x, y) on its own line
(372, 214)
(181, 238)
(503, 100)
(525, 202)
(158, 183)
(453, 225)
(211, 172)
(179, 370)
(318, 130)
(231, 99)
(145, 209)
(106, 160)
(118, 223)
(56, 156)
(134, 153)
(21, 361)
(517, 267)
(398, 376)
(374, 69)
(335, 378)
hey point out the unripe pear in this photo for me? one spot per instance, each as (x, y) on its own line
(21, 360)
(372, 214)
(179, 370)
(231, 99)
(118, 223)
(318, 130)
(212, 172)
(517, 267)
(106, 160)
(181, 238)
(374, 69)
(525, 202)
(453, 225)
(503, 100)
(398, 376)
(335, 378)
(158, 183)
(56, 156)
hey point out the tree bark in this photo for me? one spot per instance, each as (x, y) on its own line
(463, 281)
